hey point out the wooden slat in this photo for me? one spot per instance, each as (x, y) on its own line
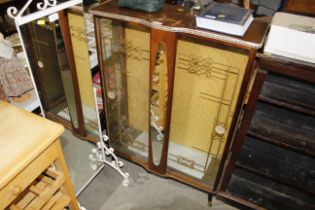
(52, 201)
(45, 193)
(62, 202)
(278, 164)
(285, 126)
(268, 194)
(289, 92)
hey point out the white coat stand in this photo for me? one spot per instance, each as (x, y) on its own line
(46, 8)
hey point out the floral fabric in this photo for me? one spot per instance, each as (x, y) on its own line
(14, 80)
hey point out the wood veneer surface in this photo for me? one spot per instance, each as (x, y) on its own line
(174, 18)
(23, 136)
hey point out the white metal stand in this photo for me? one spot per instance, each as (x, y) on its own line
(49, 7)
(154, 119)
(102, 153)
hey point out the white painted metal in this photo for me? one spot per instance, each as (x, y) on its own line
(100, 154)
(47, 11)
(19, 20)
(47, 8)
(30, 70)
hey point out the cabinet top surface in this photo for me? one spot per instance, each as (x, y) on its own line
(23, 136)
(181, 20)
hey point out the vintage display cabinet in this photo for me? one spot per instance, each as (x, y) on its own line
(59, 59)
(273, 160)
(55, 81)
(173, 93)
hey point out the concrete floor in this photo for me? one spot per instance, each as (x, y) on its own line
(146, 192)
(76, 152)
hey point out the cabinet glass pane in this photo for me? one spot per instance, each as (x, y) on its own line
(46, 51)
(126, 60)
(206, 86)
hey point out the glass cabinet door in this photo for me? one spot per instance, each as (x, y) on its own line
(207, 82)
(49, 64)
(126, 73)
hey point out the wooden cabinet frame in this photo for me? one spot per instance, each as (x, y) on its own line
(169, 31)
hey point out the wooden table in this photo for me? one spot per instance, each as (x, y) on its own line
(29, 145)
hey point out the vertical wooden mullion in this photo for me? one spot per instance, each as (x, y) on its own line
(236, 147)
(64, 25)
(169, 39)
(238, 108)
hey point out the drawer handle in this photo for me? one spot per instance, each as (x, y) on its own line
(16, 190)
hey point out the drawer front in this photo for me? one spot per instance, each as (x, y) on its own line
(280, 164)
(267, 193)
(16, 186)
(290, 92)
(284, 126)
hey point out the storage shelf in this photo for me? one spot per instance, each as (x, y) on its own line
(30, 104)
(283, 104)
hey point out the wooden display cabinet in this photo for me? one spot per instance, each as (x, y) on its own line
(55, 78)
(59, 60)
(173, 93)
(272, 162)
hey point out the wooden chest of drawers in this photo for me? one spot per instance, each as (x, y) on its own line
(29, 145)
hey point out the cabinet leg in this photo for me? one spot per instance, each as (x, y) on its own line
(210, 199)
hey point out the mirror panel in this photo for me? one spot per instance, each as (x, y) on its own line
(158, 103)
(47, 55)
(84, 71)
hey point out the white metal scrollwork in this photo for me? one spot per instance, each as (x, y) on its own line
(46, 3)
(102, 153)
(99, 155)
(14, 13)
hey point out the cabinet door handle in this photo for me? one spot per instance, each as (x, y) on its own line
(16, 190)
(40, 64)
(220, 130)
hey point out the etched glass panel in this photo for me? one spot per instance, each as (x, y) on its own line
(126, 60)
(206, 86)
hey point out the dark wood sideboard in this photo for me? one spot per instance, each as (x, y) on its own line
(272, 165)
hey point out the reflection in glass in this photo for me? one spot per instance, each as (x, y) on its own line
(126, 60)
(49, 64)
(158, 103)
(81, 40)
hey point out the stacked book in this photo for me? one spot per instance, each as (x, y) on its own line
(292, 36)
(225, 18)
